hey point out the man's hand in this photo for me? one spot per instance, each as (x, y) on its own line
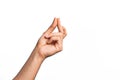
(48, 44)
(51, 43)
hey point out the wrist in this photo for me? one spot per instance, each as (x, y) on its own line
(38, 53)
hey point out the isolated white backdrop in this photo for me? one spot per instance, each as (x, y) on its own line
(91, 48)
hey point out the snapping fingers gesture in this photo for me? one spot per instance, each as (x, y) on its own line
(51, 43)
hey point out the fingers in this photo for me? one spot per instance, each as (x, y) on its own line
(60, 29)
(64, 32)
(54, 39)
(57, 34)
(52, 27)
(57, 42)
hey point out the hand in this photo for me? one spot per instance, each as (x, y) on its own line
(48, 44)
(51, 43)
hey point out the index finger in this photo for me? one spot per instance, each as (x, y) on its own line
(52, 27)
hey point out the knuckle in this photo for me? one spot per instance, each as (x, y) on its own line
(65, 35)
(60, 48)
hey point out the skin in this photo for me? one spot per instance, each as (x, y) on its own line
(49, 44)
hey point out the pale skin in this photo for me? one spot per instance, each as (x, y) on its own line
(49, 44)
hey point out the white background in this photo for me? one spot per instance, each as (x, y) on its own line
(91, 48)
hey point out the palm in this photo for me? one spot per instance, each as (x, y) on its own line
(48, 49)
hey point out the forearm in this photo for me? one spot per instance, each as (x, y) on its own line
(31, 67)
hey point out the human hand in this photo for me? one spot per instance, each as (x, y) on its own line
(51, 43)
(48, 44)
